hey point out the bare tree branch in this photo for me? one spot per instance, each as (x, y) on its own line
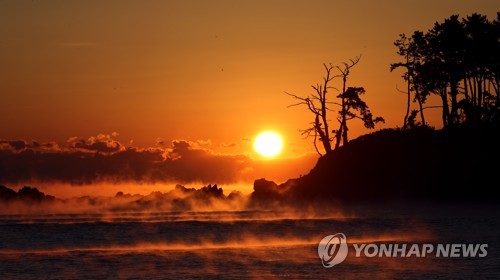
(401, 91)
(432, 107)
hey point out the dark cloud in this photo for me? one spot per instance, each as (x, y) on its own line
(16, 145)
(103, 158)
(160, 142)
(228, 145)
(192, 164)
(101, 143)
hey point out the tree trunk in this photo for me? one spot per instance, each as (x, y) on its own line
(338, 136)
(474, 93)
(326, 136)
(454, 109)
(343, 117)
(324, 139)
(479, 94)
(496, 86)
(421, 106)
(344, 133)
(408, 100)
(466, 90)
(444, 99)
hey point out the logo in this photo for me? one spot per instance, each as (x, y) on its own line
(332, 249)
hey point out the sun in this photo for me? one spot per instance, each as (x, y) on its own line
(268, 144)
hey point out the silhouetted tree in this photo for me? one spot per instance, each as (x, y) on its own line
(350, 103)
(412, 49)
(317, 104)
(458, 60)
(481, 67)
(495, 63)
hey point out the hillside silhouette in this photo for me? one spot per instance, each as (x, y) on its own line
(419, 164)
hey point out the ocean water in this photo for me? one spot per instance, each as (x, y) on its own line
(236, 245)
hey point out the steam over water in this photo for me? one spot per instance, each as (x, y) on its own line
(225, 244)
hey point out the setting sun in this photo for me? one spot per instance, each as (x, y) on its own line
(268, 144)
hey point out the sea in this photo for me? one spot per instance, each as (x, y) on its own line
(249, 244)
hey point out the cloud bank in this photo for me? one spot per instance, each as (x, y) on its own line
(101, 158)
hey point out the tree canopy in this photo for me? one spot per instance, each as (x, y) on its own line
(458, 60)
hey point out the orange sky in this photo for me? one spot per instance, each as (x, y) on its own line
(196, 70)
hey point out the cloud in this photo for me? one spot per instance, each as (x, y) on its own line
(190, 164)
(102, 158)
(159, 142)
(15, 145)
(101, 143)
(228, 145)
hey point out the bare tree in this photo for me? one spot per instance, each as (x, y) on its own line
(350, 104)
(317, 104)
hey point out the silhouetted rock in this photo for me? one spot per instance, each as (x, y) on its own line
(127, 196)
(182, 189)
(27, 195)
(263, 186)
(207, 198)
(265, 193)
(235, 195)
(31, 194)
(6, 194)
(212, 191)
(180, 199)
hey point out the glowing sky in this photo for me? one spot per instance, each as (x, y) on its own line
(196, 70)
